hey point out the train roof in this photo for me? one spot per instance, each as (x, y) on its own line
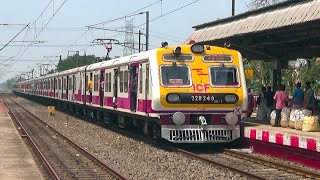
(121, 60)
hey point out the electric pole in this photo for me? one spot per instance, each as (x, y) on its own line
(233, 7)
(147, 30)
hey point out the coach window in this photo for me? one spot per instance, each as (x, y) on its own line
(49, 85)
(106, 88)
(95, 82)
(147, 78)
(121, 81)
(70, 83)
(140, 80)
(125, 81)
(74, 81)
(175, 75)
(224, 76)
(86, 81)
(59, 84)
(65, 83)
(109, 82)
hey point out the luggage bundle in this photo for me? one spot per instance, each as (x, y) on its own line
(285, 116)
(273, 118)
(297, 117)
(311, 124)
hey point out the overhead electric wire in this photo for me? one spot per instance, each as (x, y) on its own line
(6, 60)
(74, 41)
(14, 37)
(1, 62)
(171, 12)
(44, 26)
(162, 15)
(109, 21)
(42, 12)
(49, 20)
(16, 60)
(107, 29)
(146, 6)
(50, 45)
(53, 28)
(126, 16)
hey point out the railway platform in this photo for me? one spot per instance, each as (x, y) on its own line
(16, 161)
(290, 144)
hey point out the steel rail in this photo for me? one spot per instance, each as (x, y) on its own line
(86, 153)
(245, 173)
(35, 146)
(282, 166)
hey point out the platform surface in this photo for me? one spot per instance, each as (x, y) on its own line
(263, 131)
(15, 160)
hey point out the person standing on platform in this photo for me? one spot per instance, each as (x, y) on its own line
(250, 103)
(298, 97)
(262, 109)
(281, 99)
(269, 101)
(310, 100)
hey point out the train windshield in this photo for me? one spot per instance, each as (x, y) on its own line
(224, 76)
(174, 75)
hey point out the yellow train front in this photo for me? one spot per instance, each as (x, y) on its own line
(200, 93)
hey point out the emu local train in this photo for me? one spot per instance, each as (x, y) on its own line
(184, 94)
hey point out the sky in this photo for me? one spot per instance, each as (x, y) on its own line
(59, 27)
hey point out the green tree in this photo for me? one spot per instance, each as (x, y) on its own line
(8, 84)
(310, 72)
(262, 74)
(255, 4)
(75, 61)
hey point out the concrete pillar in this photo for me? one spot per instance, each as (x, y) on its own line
(276, 74)
(278, 64)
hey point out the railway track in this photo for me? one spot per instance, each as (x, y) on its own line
(252, 166)
(63, 158)
(249, 166)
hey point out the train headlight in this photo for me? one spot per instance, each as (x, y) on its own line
(178, 118)
(173, 98)
(231, 118)
(230, 98)
(197, 48)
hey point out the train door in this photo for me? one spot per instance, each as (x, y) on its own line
(101, 87)
(41, 87)
(146, 91)
(85, 87)
(67, 87)
(54, 87)
(90, 86)
(73, 87)
(115, 87)
(62, 87)
(133, 86)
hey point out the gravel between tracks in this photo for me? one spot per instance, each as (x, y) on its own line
(136, 159)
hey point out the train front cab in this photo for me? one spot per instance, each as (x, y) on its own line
(202, 94)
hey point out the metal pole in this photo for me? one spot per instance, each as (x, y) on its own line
(139, 40)
(147, 30)
(233, 7)
(78, 58)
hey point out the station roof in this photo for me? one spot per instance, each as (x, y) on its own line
(290, 29)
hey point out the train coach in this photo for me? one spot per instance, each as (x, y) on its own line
(184, 94)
